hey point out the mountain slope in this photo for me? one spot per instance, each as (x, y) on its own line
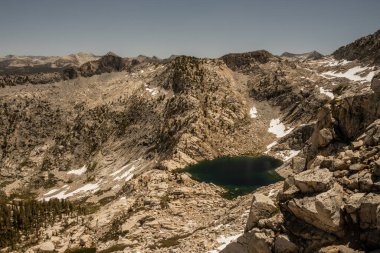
(112, 136)
(365, 49)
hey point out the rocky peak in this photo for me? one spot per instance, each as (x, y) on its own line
(106, 64)
(110, 53)
(243, 61)
(365, 49)
(186, 72)
(313, 55)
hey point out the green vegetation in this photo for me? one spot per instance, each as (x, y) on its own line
(92, 167)
(22, 219)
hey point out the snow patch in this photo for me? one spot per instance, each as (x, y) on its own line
(278, 128)
(288, 154)
(152, 91)
(271, 145)
(333, 62)
(51, 192)
(272, 192)
(78, 171)
(127, 175)
(326, 92)
(218, 227)
(253, 112)
(119, 170)
(85, 188)
(351, 74)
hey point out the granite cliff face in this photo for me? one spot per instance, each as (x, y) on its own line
(111, 134)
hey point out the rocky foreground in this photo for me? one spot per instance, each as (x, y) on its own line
(111, 133)
(331, 201)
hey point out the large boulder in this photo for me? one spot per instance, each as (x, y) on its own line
(338, 249)
(262, 207)
(321, 211)
(282, 244)
(254, 241)
(376, 168)
(314, 180)
(369, 212)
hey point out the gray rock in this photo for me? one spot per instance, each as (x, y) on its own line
(365, 181)
(259, 241)
(282, 244)
(339, 165)
(321, 211)
(262, 207)
(315, 180)
(298, 164)
(254, 241)
(357, 167)
(357, 144)
(353, 181)
(376, 168)
(325, 137)
(352, 206)
(369, 212)
(338, 249)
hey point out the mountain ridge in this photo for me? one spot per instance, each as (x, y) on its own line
(114, 133)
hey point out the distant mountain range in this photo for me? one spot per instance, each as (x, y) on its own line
(18, 64)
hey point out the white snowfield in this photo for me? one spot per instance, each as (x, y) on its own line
(90, 187)
(224, 241)
(352, 74)
(78, 171)
(326, 92)
(286, 155)
(332, 62)
(253, 112)
(51, 192)
(127, 175)
(278, 128)
(271, 145)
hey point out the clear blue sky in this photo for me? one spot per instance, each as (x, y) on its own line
(203, 28)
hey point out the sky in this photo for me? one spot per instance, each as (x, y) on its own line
(202, 28)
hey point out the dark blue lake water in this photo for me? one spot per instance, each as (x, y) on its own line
(238, 175)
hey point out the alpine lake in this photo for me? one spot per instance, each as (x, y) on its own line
(237, 175)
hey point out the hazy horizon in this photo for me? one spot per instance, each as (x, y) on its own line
(198, 28)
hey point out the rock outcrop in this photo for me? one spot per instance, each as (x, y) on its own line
(334, 205)
(245, 61)
(313, 55)
(366, 49)
(375, 84)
